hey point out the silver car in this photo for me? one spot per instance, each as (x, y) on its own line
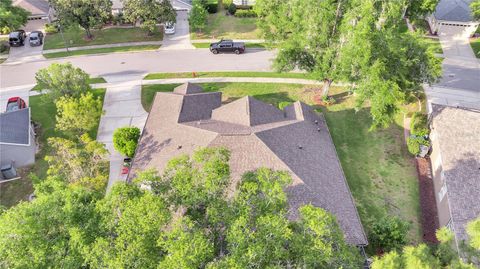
(36, 38)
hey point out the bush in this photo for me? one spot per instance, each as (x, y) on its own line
(51, 28)
(245, 13)
(212, 8)
(4, 47)
(125, 140)
(414, 143)
(389, 233)
(232, 8)
(419, 125)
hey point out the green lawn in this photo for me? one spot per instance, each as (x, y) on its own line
(75, 37)
(96, 80)
(435, 44)
(43, 113)
(380, 172)
(475, 43)
(220, 25)
(247, 45)
(100, 50)
(229, 74)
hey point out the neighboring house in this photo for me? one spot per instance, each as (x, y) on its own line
(455, 160)
(244, 2)
(117, 5)
(453, 17)
(17, 139)
(257, 134)
(39, 9)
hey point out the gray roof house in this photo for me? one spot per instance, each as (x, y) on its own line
(39, 9)
(453, 16)
(257, 134)
(17, 139)
(455, 161)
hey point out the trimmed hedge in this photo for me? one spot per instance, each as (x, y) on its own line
(414, 143)
(419, 125)
(245, 13)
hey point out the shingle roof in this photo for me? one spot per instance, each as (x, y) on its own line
(35, 7)
(453, 10)
(15, 127)
(458, 134)
(188, 88)
(296, 140)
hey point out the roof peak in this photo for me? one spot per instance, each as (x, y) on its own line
(188, 88)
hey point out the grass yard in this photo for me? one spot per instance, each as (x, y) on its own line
(100, 50)
(475, 43)
(435, 44)
(43, 113)
(75, 37)
(220, 25)
(229, 74)
(96, 80)
(380, 172)
(247, 45)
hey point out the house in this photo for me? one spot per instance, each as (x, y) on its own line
(17, 140)
(179, 5)
(257, 134)
(245, 3)
(39, 9)
(455, 161)
(453, 17)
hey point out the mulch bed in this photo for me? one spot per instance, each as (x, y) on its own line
(428, 203)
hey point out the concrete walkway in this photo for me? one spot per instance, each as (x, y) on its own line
(123, 107)
(125, 44)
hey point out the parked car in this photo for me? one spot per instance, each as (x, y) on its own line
(169, 28)
(17, 38)
(226, 45)
(35, 38)
(15, 103)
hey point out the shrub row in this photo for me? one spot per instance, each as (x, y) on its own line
(245, 13)
(418, 133)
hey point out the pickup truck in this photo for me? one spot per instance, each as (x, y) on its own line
(226, 45)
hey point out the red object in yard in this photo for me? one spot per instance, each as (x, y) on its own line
(127, 162)
(124, 170)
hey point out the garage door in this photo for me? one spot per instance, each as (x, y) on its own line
(454, 29)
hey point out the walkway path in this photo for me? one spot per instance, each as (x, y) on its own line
(125, 44)
(123, 107)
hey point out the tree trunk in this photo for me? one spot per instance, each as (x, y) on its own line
(89, 33)
(326, 86)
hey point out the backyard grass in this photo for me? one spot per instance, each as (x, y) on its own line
(435, 44)
(43, 113)
(380, 172)
(229, 74)
(247, 45)
(220, 25)
(100, 50)
(75, 37)
(475, 43)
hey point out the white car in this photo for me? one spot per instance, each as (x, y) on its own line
(169, 28)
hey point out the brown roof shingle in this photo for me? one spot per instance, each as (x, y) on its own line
(296, 140)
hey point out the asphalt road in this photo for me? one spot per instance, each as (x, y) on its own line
(140, 63)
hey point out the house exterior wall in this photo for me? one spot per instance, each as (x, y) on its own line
(21, 155)
(244, 2)
(439, 183)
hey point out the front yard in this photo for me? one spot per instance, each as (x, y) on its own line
(475, 43)
(220, 25)
(43, 113)
(75, 37)
(380, 172)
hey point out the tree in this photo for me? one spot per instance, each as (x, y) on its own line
(78, 115)
(355, 41)
(473, 230)
(11, 17)
(389, 233)
(86, 13)
(419, 8)
(475, 9)
(125, 140)
(81, 162)
(62, 79)
(148, 13)
(198, 16)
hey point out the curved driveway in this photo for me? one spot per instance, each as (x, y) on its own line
(140, 63)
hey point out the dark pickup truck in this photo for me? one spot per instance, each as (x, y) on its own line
(225, 45)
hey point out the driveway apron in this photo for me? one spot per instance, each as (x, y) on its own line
(181, 38)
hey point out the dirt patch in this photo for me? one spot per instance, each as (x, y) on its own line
(428, 203)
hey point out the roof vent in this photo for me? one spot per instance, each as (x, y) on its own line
(318, 129)
(316, 121)
(300, 147)
(179, 147)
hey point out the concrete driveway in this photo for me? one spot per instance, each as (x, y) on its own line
(27, 52)
(181, 38)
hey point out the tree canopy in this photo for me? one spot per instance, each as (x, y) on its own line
(86, 13)
(78, 115)
(355, 41)
(148, 13)
(475, 9)
(187, 217)
(125, 140)
(11, 17)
